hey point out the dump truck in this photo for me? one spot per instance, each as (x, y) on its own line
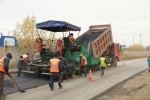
(99, 40)
(92, 44)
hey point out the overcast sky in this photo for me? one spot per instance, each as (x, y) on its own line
(129, 18)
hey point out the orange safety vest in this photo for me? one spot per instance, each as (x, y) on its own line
(2, 69)
(71, 38)
(54, 65)
(83, 61)
(25, 56)
(59, 46)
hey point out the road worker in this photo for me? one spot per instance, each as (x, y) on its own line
(62, 65)
(20, 65)
(71, 38)
(83, 65)
(148, 61)
(103, 64)
(25, 60)
(4, 69)
(25, 56)
(55, 71)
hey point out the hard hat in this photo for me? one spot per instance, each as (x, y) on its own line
(9, 55)
(81, 54)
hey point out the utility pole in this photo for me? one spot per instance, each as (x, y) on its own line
(133, 41)
(140, 39)
(1, 34)
(116, 38)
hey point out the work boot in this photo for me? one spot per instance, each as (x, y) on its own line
(80, 75)
(61, 87)
(2, 97)
(61, 79)
(51, 89)
(4, 94)
(18, 75)
(102, 74)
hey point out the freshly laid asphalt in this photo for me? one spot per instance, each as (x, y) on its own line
(80, 88)
(23, 83)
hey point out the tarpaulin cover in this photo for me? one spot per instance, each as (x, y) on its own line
(57, 26)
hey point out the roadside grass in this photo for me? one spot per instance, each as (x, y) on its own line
(132, 56)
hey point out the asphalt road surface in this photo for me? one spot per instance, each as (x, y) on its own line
(80, 88)
(23, 83)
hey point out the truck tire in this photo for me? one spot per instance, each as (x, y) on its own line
(75, 68)
(114, 63)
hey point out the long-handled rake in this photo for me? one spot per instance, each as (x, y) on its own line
(15, 83)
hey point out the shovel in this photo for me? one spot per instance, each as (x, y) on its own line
(15, 83)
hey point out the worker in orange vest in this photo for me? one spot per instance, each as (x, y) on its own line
(4, 67)
(25, 56)
(55, 71)
(25, 60)
(71, 38)
(83, 64)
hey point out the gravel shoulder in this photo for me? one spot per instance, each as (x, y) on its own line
(135, 88)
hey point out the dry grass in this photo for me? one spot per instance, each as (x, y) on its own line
(128, 55)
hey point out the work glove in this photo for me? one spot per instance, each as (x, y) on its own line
(108, 65)
(61, 73)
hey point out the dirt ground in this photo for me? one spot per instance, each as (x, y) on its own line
(135, 88)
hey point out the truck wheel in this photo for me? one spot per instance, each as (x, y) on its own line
(75, 68)
(114, 63)
(97, 67)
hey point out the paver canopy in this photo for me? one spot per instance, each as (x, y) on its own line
(57, 26)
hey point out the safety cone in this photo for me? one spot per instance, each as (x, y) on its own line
(90, 77)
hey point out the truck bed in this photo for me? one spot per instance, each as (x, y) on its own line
(97, 38)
